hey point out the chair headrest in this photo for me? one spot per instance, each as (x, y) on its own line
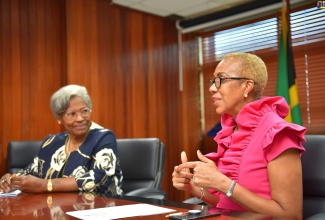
(313, 164)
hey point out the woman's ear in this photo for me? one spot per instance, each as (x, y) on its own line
(249, 86)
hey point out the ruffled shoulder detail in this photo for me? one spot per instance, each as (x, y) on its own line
(283, 126)
(254, 111)
(272, 111)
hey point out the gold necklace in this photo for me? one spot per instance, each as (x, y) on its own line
(68, 141)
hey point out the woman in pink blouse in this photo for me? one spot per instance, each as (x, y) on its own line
(257, 166)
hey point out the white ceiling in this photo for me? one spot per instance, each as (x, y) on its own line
(180, 8)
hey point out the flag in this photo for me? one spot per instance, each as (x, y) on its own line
(286, 83)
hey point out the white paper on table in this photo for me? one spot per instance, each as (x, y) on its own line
(123, 211)
(13, 193)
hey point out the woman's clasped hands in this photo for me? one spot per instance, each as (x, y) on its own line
(6, 183)
(205, 175)
(26, 183)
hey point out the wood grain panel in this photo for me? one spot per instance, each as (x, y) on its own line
(2, 153)
(127, 60)
(32, 61)
(11, 96)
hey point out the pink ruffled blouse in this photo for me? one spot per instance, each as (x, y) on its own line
(262, 135)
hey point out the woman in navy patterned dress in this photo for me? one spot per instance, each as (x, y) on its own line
(83, 158)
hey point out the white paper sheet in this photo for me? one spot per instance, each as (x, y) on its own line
(11, 194)
(116, 212)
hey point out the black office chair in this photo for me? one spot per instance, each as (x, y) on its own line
(21, 153)
(313, 170)
(142, 163)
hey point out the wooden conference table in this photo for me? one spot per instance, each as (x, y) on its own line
(55, 205)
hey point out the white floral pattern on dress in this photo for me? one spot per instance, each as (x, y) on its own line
(58, 159)
(79, 171)
(34, 166)
(106, 160)
(88, 184)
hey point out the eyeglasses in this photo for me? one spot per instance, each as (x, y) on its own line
(73, 114)
(219, 79)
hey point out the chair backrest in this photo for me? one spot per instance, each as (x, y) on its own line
(21, 153)
(313, 170)
(142, 163)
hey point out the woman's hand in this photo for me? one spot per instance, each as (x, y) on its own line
(29, 184)
(5, 183)
(202, 178)
(182, 177)
(205, 172)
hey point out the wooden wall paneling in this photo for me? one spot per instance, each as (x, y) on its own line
(128, 61)
(137, 98)
(15, 95)
(82, 46)
(155, 80)
(190, 102)
(109, 82)
(36, 55)
(129, 69)
(190, 113)
(27, 33)
(46, 75)
(2, 156)
(170, 122)
(15, 63)
(165, 101)
(122, 73)
(118, 72)
(128, 57)
(54, 73)
(84, 69)
(75, 42)
(1, 90)
(104, 85)
(11, 96)
(39, 31)
(92, 72)
(29, 52)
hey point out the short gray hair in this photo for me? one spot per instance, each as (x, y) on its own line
(59, 102)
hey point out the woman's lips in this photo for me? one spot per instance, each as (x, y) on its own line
(81, 127)
(216, 101)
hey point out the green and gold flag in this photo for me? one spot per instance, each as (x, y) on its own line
(286, 84)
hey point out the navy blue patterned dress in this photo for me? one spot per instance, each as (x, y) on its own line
(94, 165)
